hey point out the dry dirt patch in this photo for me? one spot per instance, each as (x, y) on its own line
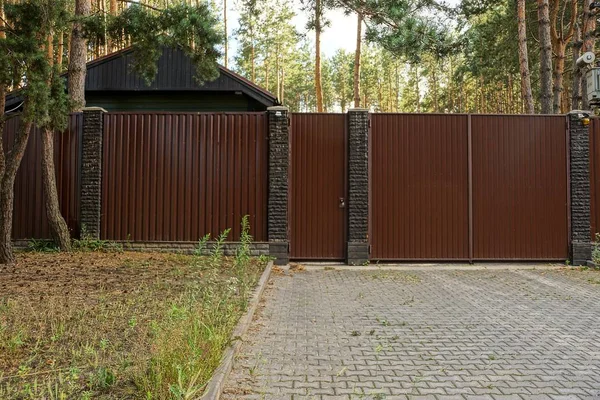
(117, 325)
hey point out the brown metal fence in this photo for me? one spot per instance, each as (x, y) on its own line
(179, 176)
(30, 220)
(318, 186)
(460, 187)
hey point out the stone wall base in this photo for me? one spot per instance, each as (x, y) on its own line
(229, 248)
(358, 253)
(581, 253)
(280, 251)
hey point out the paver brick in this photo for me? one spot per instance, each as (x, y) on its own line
(439, 334)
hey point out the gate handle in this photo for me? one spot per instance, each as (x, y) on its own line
(342, 202)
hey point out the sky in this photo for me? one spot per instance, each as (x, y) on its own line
(340, 35)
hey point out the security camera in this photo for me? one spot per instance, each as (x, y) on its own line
(586, 59)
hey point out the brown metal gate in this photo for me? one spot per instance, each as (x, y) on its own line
(419, 187)
(520, 187)
(461, 187)
(318, 186)
(179, 176)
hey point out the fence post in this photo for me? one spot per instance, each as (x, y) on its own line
(358, 186)
(279, 163)
(579, 169)
(91, 171)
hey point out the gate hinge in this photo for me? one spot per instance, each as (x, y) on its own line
(370, 248)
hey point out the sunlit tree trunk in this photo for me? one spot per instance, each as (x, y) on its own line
(78, 58)
(60, 51)
(545, 56)
(589, 42)
(576, 81)
(357, 60)
(526, 93)
(277, 71)
(561, 33)
(282, 95)
(417, 90)
(226, 55)
(112, 9)
(318, 84)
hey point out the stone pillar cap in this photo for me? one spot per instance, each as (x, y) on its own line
(94, 109)
(358, 109)
(277, 108)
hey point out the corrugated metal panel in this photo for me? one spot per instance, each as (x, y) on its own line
(419, 187)
(178, 176)
(29, 207)
(519, 187)
(318, 181)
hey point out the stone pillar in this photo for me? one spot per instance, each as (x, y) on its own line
(91, 171)
(279, 163)
(579, 167)
(358, 186)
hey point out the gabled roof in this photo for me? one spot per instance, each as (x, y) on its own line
(175, 73)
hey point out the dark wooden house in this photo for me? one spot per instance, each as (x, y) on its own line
(112, 85)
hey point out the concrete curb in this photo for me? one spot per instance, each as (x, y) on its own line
(435, 267)
(215, 385)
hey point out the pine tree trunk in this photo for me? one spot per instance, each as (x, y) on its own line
(61, 49)
(58, 226)
(7, 183)
(545, 56)
(277, 72)
(436, 106)
(253, 65)
(397, 93)
(559, 69)
(576, 81)
(417, 90)
(282, 98)
(318, 85)
(3, 90)
(589, 42)
(78, 58)
(226, 35)
(112, 9)
(357, 61)
(57, 223)
(483, 94)
(526, 93)
(267, 71)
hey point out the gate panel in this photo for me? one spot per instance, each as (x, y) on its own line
(179, 176)
(318, 182)
(419, 187)
(519, 187)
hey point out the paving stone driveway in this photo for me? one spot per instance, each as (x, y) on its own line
(414, 334)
